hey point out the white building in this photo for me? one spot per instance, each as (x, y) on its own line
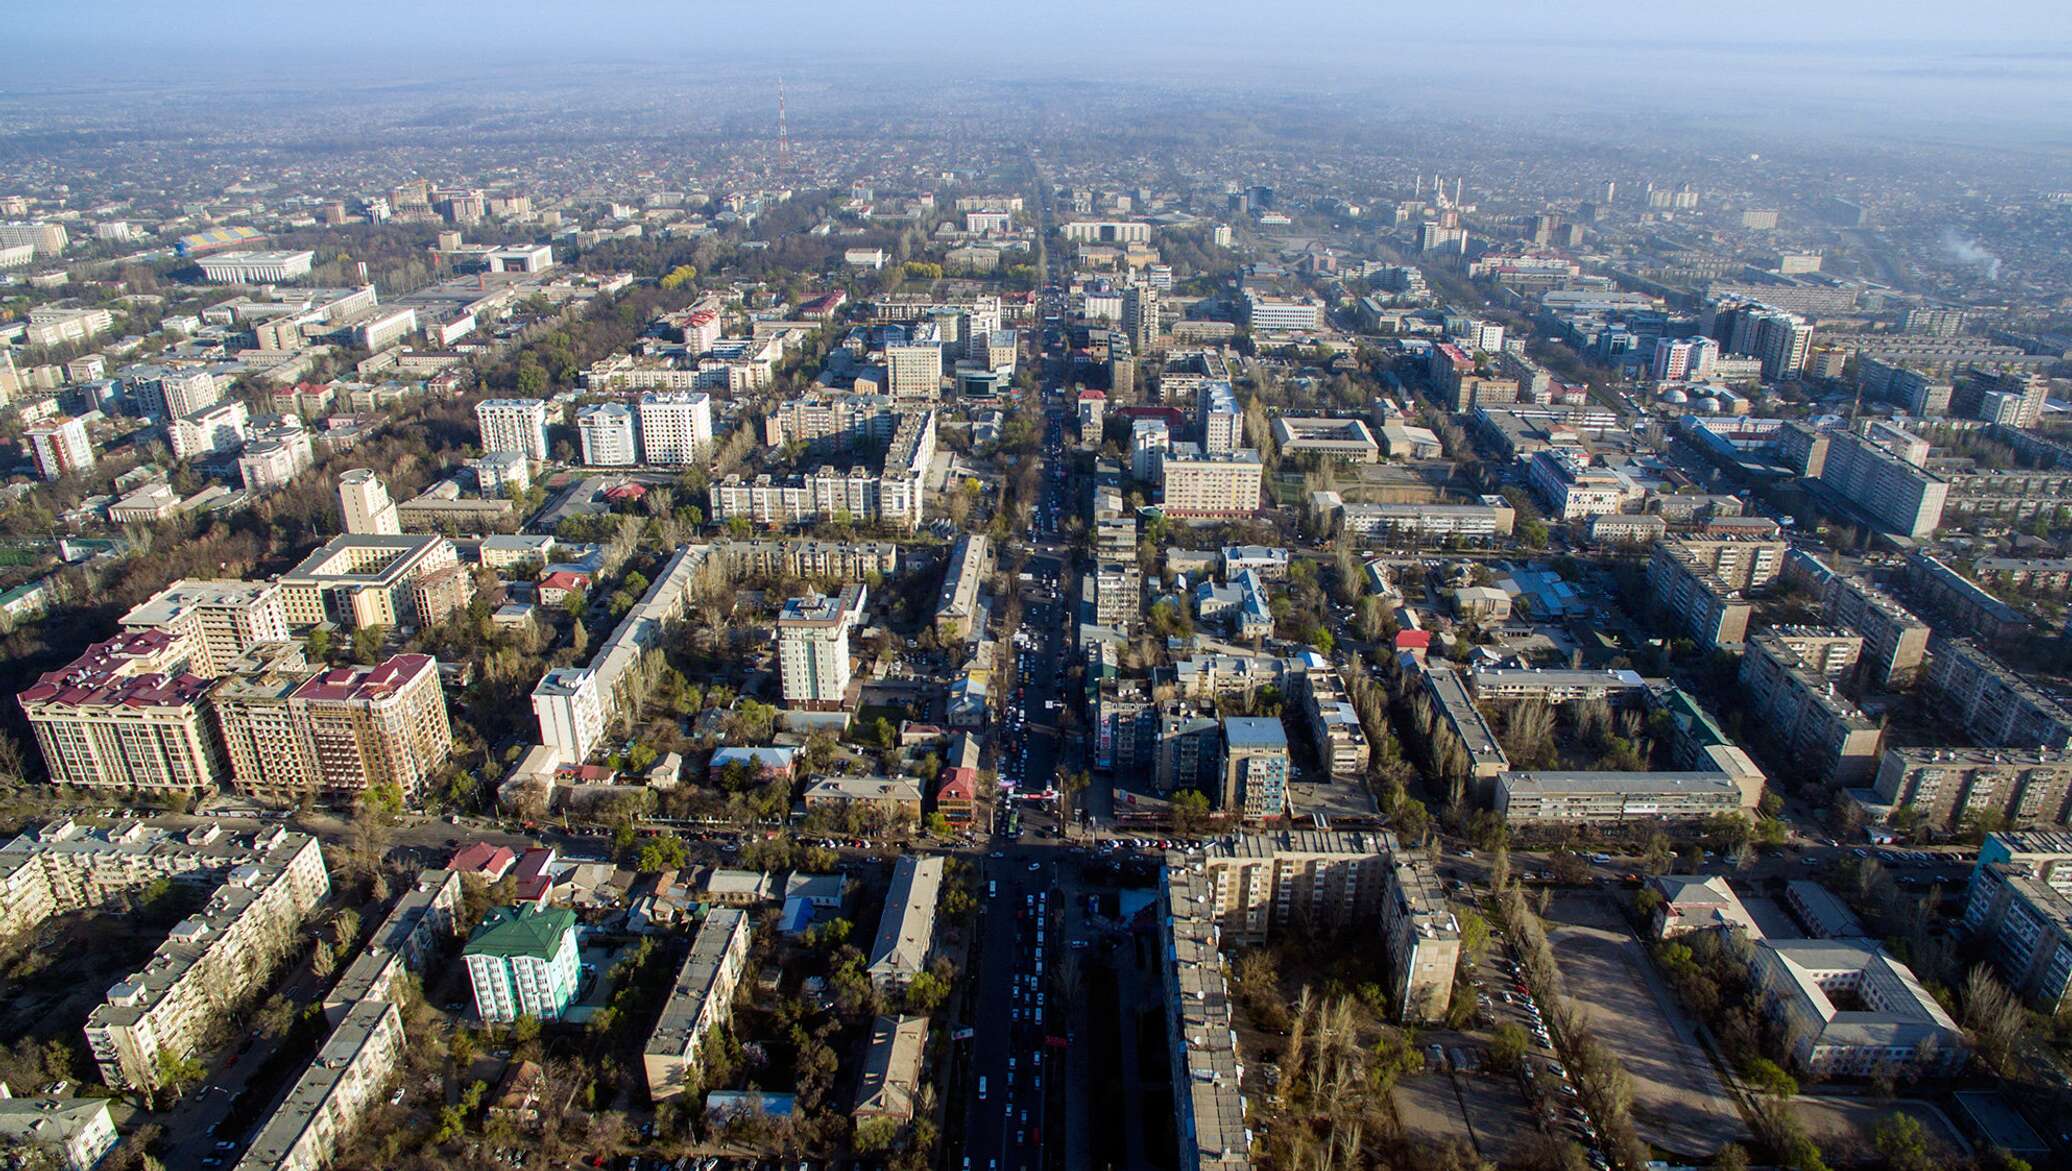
(366, 504)
(513, 424)
(570, 706)
(275, 453)
(73, 1134)
(813, 647)
(1853, 1010)
(523, 962)
(215, 428)
(606, 430)
(675, 426)
(914, 370)
(60, 447)
(255, 268)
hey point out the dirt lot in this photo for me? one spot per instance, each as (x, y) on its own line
(1843, 1126)
(1678, 1101)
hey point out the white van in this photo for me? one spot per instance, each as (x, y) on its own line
(981, 1089)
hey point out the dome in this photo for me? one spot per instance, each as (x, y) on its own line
(1707, 405)
(1673, 395)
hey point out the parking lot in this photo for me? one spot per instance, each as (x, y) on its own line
(1679, 1103)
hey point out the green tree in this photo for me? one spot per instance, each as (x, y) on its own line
(1190, 811)
(662, 852)
(1770, 1078)
(1903, 1141)
(1507, 1045)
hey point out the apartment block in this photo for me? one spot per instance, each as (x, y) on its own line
(365, 505)
(1195, 483)
(1333, 723)
(1997, 707)
(419, 926)
(1256, 765)
(128, 714)
(1947, 786)
(905, 940)
(1424, 941)
(1260, 883)
(834, 560)
(59, 447)
(334, 1095)
(675, 426)
(2026, 924)
(1788, 677)
(1613, 798)
(219, 619)
(813, 647)
(522, 961)
(1712, 612)
(956, 606)
(362, 580)
(1207, 1071)
(1895, 641)
(1460, 719)
(211, 962)
(1895, 495)
(334, 735)
(606, 431)
(63, 1134)
(516, 425)
(700, 1001)
(1960, 604)
(889, 1083)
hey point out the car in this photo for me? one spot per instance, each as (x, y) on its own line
(226, 1145)
(1035, 866)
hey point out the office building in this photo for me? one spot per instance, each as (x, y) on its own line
(353, 581)
(675, 426)
(914, 370)
(813, 647)
(129, 715)
(1948, 787)
(700, 1001)
(1852, 1010)
(1268, 314)
(517, 425)
(1614, 798)
(606, 431)
(1343, 439)
(212, 963)
(59, 447)
(905, 940)
(255, 268)
(522, 961)
(1195, 483)
(364, 501)
(219, 620)
(1572, 489)
(1255, 767)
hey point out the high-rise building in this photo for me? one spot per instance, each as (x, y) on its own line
(523, 961)
(293, 734)
(675, 426)
(1198, 483)
(60, 447)
(914, 369)
(1140, 318)
(606, 430)
(219, 427)
(1222, 421)
(220, 619)
(1255, 766)
(514, 425)
(1896, 495)
(813, 647)
(127, 715)
(1686, 358)
(1150, 439)
(365, 502)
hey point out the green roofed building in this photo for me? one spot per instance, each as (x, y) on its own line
(522, 962)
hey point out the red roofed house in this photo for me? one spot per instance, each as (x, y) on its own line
(484, 858)
(822, 308)
(1416, 642)
(534, 883)
(555, 588)
(956, 795)
(625, 491)
(360, 727)
(128, 715)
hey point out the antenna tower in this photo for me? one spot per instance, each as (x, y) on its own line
(783, 134)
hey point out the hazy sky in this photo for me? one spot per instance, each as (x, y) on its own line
(1938, 68)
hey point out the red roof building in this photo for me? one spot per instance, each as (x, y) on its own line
(956, 794)
(555, 588)
(484, 858)
(126, 714)
(534, 882)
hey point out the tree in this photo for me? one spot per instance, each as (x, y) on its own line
(1507, 1045)
(1770, 1078)
(662, 852)
(1190, 811)
(926, 992)
(1903, 1141)
(876, 1134)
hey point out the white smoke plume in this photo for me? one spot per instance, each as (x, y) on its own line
(1965, 250)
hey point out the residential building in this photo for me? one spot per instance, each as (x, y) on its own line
(365, 728)
(442, 593)
(1552, 685)
(1150, 440)
(1319, 880)
(1894, 495)
(1465, 724)
(2026, 925)
(59, 447)
(838, 560)
(1255, 766)
(1489, 518)
(335, 1094)
(1788, 678)
(606, 431)
(914, 370)
(1209, 1115)
(1703, 605)
(522, 961)
(1997, 707)
(64, 1134)
(813, 647)
(700, 1001)
(1423, 938)
(1948, 787)
(516, 425)
(1195, 483)
(129, 715)
(218, 619)
(905, 940)
(1615, 798)
(1852, 1010)
(1222, 419)
(1140, 318)
(1895, 641)
(365, 504)
(362, 580)
(418, 927)
(897, 800)
(675, 426)
(275, 453)
(889, 1084)
(1960, 604)
(211, 963)
(1333, 723)
(956, 606)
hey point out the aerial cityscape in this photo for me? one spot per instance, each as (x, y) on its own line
(1136, 587)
